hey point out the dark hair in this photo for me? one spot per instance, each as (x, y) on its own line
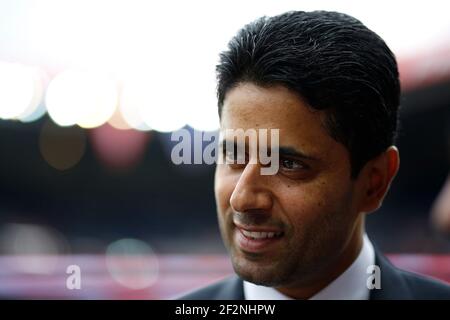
(333, 62)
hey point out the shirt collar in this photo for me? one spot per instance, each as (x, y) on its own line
(350, 285)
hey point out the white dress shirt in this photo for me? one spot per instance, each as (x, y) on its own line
(350, 285)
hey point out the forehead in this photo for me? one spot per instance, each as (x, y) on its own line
(249, 106)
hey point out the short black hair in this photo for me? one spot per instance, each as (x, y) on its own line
(332, 61)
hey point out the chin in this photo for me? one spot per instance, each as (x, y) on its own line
(259, 273)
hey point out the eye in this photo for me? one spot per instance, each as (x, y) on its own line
(292, 165)
(230, 156)
(234, 157)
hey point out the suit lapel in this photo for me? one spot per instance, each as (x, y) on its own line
(232, 289)
(393, 284)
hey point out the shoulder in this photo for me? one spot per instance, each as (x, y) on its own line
(230, 288)
(423, 287)
(401, 284)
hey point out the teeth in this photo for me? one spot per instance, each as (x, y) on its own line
(260, 235)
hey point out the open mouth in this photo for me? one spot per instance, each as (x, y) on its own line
(255, 235)
(256, 241)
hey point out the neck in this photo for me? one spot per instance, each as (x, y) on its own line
(336, 268)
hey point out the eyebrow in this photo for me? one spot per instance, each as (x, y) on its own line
(283, 151)
(292, 152)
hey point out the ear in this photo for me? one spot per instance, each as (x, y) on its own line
(376, 178)
(440, 213)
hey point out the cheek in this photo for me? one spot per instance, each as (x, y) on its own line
(223, 188)
(311, 205)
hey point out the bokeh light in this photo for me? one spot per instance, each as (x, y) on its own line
(33, 114)
(202, 103)
(117, 120)
(130, 106)
(85, 98)
(36, 108)
(39, 244)
(151, 99)
(19, 92)
(62, 147)
(119, 150)
(132, 263)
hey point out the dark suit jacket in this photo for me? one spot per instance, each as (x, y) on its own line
(395, 284)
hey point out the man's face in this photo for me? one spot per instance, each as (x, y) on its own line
(310, 203)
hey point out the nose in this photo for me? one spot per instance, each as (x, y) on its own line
(252, 193)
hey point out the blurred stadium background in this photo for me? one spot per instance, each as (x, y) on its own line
(90, 92)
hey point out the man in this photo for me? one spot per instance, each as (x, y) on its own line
(331, 87)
